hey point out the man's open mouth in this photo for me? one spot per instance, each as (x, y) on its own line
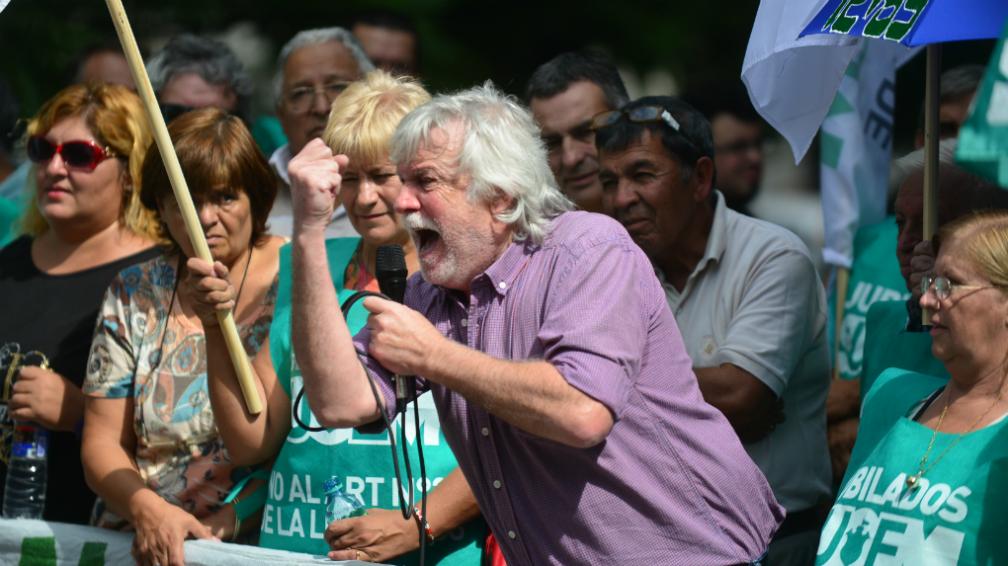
(425, 238)
(423, 230)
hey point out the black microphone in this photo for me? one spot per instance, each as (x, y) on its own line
(390, 271)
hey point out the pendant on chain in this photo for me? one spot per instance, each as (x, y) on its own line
(913, 481)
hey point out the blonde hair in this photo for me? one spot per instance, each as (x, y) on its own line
(366, 114)
(984, 240)
(116, 118)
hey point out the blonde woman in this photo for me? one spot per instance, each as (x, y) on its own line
(83, 225)
(360, 126)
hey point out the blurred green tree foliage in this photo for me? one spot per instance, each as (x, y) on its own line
(464, 42)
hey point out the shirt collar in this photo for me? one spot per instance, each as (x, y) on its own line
(718, 236)
(279, 160)
(503, 272)
(716, 241)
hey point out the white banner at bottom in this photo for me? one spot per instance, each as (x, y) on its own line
(41, 543)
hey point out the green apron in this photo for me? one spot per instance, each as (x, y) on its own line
(954, 516)
(294, 516)
(875, 276)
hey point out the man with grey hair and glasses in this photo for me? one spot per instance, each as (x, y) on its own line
(745, 294)
(557, 368)
(311, 70)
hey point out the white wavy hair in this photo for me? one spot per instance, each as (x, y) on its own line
(501, 152)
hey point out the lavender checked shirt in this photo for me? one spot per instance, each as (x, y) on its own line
(671, 484)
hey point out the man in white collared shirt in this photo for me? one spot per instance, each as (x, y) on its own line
(312, 69)
(745, 294)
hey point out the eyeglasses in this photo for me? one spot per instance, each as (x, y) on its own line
(639, 114)
(300, 99)
(76, 154)
(943, 287)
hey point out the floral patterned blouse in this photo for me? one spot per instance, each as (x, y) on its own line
(160, 361)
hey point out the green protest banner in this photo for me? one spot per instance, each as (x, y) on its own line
(983, 139)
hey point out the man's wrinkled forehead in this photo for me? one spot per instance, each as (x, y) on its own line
(438, 150)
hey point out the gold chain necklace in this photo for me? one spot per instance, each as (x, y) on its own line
(913, 481)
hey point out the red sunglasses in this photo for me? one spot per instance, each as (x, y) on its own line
(76, 154)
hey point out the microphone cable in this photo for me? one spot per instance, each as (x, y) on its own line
(407, 509)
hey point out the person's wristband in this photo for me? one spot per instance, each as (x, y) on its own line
(422, 523)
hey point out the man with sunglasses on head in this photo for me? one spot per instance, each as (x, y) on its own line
(745, 294)
(564, 93)
(311, 70)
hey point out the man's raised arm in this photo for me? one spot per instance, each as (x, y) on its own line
(334, 379)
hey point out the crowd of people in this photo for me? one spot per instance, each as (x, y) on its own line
(623, 365)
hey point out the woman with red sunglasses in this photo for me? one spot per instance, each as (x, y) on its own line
(83, 224)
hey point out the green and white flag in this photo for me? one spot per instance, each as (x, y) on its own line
(856, 147)
(983, 139)
(3, 4)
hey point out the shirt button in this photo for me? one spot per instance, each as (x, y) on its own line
(497, 484)
(512, 535)
(464, 322)
(502, 285)
(485, 431)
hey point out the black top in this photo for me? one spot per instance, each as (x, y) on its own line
(56, 315)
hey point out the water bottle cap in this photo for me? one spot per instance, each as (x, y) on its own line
(332, 485)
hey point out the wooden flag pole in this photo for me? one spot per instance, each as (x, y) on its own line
(932, 90)
(182, 196)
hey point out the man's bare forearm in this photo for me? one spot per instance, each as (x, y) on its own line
(334, 379)
(530, 395)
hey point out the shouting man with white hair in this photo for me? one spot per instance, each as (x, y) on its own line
(559, 373)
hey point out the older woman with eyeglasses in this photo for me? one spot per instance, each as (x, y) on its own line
(151, 448)
(83, 225)
(927, 479)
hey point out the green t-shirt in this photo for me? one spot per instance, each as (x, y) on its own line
(294, 516)
(875, 276)
(954, 516)
(888, 344)
(9, 211)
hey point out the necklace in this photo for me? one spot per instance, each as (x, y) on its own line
(913, 480)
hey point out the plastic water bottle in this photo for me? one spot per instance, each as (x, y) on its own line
(339, 504)
(25, 486)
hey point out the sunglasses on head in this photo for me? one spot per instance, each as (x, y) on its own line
(76, 154)
(639, 114)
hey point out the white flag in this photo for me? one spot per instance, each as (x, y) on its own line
(792, 81)
(856, 147)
